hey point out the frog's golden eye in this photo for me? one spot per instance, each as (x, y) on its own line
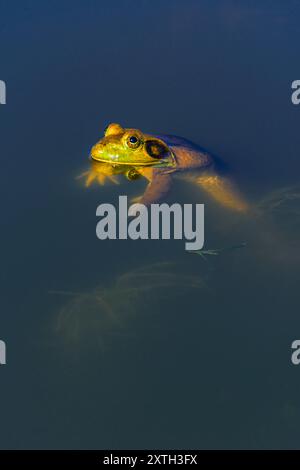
(133, 141)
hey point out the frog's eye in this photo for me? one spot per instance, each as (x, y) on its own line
(133, 141)
(156, 149)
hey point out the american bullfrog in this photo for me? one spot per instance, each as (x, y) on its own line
(158, 158)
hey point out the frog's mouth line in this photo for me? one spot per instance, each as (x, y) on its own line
(123, 163)
(155, 163)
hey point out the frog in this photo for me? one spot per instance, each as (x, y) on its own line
(159, 158)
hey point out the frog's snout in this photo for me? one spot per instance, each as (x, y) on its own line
(97, 151)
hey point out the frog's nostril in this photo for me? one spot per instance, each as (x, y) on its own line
(97, 148)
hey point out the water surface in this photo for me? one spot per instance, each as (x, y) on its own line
(123, 344)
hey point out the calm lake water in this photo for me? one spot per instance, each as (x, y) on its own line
(122, 344)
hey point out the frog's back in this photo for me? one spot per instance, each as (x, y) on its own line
(187, 154)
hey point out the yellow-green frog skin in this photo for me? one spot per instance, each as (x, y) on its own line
(158, 158)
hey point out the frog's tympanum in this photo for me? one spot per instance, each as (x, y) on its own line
(158, 158)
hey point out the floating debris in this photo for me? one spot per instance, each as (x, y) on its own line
(218, 251)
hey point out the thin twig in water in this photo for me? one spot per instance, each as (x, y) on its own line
(218, 251)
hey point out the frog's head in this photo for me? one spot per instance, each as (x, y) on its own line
(131, 147)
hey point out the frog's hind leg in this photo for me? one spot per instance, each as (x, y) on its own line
(222, 190)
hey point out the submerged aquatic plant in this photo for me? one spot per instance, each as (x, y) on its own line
(105, 311)
(285, 200)
(283, 207)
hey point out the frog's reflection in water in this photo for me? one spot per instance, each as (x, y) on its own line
(100, 172)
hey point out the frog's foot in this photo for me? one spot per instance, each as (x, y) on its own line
(102, 178)
(99, 174)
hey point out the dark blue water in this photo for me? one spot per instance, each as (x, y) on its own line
(123, 344)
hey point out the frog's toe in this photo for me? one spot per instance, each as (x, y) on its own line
(101, 179)
(90, 178)
(136, 200)
(82, 175)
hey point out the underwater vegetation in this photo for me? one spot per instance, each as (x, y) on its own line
(281, 210)
(107, 311)
(139, 296)
(283, 203)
